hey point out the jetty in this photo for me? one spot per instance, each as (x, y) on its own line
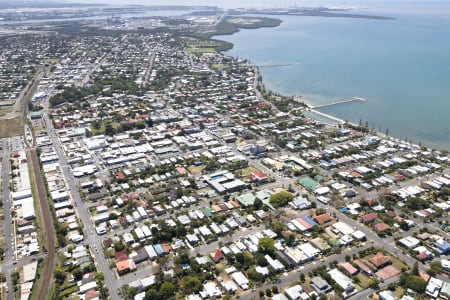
(353, 99)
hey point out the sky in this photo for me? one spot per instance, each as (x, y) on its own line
(234, 3)
(229, 3)
(400, 5)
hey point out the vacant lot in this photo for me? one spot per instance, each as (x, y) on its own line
(194, 170)
(10, 127)
(245, 172)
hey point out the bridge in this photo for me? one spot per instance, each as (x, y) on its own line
(353, 99)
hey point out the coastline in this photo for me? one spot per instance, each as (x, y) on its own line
(433, 139)
(338, 121)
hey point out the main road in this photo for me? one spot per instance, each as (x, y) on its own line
(88, 229)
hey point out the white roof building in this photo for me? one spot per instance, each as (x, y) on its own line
(409, 242)
(343, 228)
(294, 292)
(342, 280)
(83, 288)
(386, 295)
(212, 290)
(433, 287)
(241, 280)
(274, 263)
(309, 250)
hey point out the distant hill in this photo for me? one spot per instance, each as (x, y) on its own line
(42, 4)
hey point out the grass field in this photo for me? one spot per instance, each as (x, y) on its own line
(10, 127)
(200, 50)
(398, 264)
(363, 280)
(243, 173)
(194, 170)
(198, 46)
(398, 292)
(101, 130)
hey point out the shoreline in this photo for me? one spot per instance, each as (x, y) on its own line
(341, 121)
(337, 119)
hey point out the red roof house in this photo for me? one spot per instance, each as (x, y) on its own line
(370, 217)
(258, 177)
(121, 255)
(216, 255)
(322, 219)
(349, 268)
(123, 267)
(380, 227)
(380, 260)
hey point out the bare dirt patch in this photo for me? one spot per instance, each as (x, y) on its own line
(10, 127)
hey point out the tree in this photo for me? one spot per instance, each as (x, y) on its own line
(96, 125)
(261, 260)
(415, 269)
(60, 276)
(257, 204)
(254, 275)
(130, 291)
(99, 276)
(290, 240)
(278, 227)
(280, 199)
(392, 286)
(302, 278)
(404, 225)
(167, 289)
(275, 289)
(109, 129)
(77, 274)
(140, 124)
(416, 283)
(266, 245)
(190, 284)
(435, 267)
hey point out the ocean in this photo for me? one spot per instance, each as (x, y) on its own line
(401, 66)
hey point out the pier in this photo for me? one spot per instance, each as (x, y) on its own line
(353, 99)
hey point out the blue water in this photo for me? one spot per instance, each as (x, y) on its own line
(402, 66)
